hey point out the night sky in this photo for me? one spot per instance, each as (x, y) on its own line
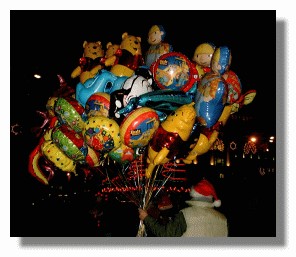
(50, 43)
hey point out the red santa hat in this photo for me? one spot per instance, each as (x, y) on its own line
(165, 203)
(205, 189)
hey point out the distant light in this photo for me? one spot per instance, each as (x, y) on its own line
(212, 162)
(272, 138)
(37, 76)
(267, 150)
(253, 139)
(270, 141)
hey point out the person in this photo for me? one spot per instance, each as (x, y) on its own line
(199, 219)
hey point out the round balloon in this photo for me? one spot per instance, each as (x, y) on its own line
(70, 112)
(101, 133)
(123, 154)
(70, 142)
(92, 158)
(174, 71)
(98, 104)
(138, 127)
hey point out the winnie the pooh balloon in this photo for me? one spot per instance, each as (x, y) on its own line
(90, 63)
(169, 136)
(129, 56)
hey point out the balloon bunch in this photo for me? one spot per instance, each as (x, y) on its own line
(164, 113)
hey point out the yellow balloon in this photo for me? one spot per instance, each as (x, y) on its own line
(57, 157)
(101, 133)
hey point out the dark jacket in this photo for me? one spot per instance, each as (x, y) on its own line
(200, 219)
(174, 228)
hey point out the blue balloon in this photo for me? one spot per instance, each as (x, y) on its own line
(104, 81)
(210, 99)
(164, 101)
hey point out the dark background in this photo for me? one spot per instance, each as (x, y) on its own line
(50, 42)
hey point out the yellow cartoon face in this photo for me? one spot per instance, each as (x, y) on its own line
(203, 54)
(181, 121)
(154, 35)
(131, 44)
(93, 49)
(111, 49)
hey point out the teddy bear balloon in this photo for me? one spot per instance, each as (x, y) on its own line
(90, 63)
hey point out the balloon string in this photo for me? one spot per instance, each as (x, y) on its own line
(129, 193)
(149, 188)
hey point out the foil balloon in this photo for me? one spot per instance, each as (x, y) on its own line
(138, 127)
(211, 96)
(133, 87)
(36, 155)
(104, 81)
(145, 72)
(92, 159)
(163, 101)
(202, 58)
(128, 58)
(234, 86)
(33, 165)
(123, 154)
(203, 138)
(98, 104)
(57, 157)
(50, 106)
(221, 60)
(70, 142)
(170, 136)
(157, 47)
(101, 133)
(174, 71)
(70, 112)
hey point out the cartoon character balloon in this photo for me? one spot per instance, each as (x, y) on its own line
(132, 87)
(98, 104)
(128, 57)
(157, 47)
(104, 82)
(174, 71)
(90, 63)
(138, 127)
(212, 106)
(101, 134)
(169, 137)
(202, 58)
(212, 90)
